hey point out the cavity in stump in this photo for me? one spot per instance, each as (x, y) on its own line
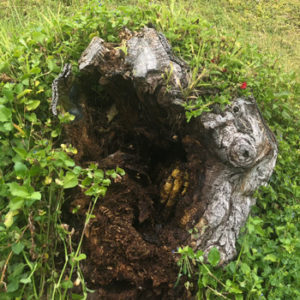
(179, 176)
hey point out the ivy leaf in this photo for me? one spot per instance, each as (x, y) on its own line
(213, 256)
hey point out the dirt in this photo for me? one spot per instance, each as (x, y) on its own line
(145, 216)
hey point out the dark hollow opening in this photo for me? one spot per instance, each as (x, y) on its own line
(142, 219)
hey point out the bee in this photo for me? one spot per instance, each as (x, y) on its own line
(106, 212)
(175, 186)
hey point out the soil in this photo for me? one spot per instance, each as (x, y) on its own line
(145, 216)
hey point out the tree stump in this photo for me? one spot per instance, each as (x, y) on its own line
(180, 176)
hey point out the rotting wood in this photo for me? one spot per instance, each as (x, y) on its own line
(179, 176)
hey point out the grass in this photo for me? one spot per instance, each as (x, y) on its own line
(255, 41)
(19, 16)
(274, 26)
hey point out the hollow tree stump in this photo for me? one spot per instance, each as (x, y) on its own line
(179, 176)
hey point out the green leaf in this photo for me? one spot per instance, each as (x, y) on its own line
(77, 170)
(9, 218)
(70, 180)
(17, 270)
(120, 171)
(284, 94)
(106, 182)
(235, 290)
(35, 70)
(80, 257)
(25, 280)
(199, 255)
(54, 133)
(36, 196)
(7, 127)
(205, 277)
(68, 284)
(63, 159)
(213, 256)
(13, 285)
(96, 190)
(245, 269)
(23, 93)
(101, 190)
(21, 151)
(17, 248)
(271, 257)
(86, 181)
(38, 36)
(233, 287)
(32, 118)
(18, 190)
(250, 228)
(32, 104)
(99, 174)
(20, 169)
(5, 113)
(8, 94)
(16, 203)
(111, 173)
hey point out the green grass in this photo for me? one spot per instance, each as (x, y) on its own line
(254, 41)
(272, 25)
(19, 16)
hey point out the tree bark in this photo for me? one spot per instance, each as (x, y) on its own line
(180, 176)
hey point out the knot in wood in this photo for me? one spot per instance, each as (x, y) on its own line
(242, 152)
